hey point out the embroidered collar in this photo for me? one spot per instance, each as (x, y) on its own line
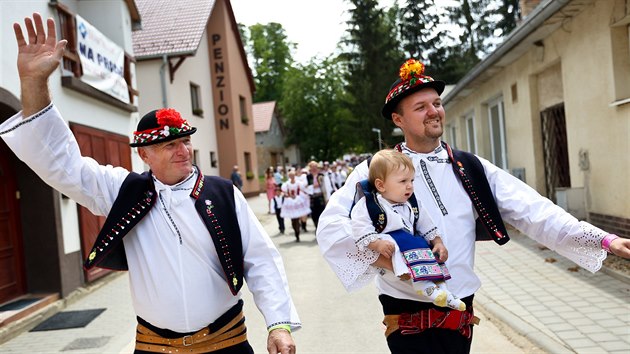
(183, 185)
(406, 149)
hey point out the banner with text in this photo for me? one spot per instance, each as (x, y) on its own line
(102, 60)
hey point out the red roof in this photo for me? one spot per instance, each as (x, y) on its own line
(263, 113)
(170, 27)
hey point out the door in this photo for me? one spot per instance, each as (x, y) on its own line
(12, 273)
(106, 148)
(555, 149)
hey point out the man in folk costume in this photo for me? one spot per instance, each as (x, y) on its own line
(174, 220)
(459, 190)
(329, 181)
(317, 190)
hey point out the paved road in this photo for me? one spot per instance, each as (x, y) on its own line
(527, 305)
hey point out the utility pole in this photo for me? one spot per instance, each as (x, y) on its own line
(378, 131)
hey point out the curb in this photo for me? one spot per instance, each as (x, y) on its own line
(538, 338)
(616, 274)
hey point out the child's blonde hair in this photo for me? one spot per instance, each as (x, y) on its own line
(385, 161)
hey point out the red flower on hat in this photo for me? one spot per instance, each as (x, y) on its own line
(411, 69)
(169, 117)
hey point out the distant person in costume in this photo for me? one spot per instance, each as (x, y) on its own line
(295, 205)
(270, 188)
(278, 201)
(167, 226)
(237, 181)
(400, 230)
(317, 190)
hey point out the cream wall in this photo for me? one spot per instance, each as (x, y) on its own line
(194, 69)
(579, 54)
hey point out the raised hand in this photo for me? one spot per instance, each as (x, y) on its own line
(37, 59)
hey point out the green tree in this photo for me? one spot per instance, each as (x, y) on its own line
(470, 17)
(270, 50)
(508, 14)
(313, 111)
(372, 55)
(418, 28)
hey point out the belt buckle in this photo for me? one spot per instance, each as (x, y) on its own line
(188, 341)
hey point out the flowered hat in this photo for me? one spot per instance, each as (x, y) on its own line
(411, 79)
(159, 126)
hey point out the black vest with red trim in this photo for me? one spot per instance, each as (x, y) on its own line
(214, 201)
(470, 171)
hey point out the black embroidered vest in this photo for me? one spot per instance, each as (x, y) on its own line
(214, 201)
(469, 170)
(320, 179)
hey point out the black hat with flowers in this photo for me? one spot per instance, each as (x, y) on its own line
(159, 126)
(411, 78)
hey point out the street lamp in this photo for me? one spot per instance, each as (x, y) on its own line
(378, 131)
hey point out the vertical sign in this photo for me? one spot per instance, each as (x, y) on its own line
(219, 82)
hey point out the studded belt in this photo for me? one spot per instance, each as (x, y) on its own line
(200, 342)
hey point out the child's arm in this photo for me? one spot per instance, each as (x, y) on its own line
(385, 248)
(366, 238)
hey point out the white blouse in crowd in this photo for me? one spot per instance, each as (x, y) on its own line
(442, 195)
(175, 286)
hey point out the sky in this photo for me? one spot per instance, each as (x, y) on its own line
(315, 26)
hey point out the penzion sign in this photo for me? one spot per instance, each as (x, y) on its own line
(219, 82)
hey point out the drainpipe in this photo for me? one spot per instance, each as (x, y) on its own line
(163, 80)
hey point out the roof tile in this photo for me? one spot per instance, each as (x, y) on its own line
(170, 27)
(263, 113)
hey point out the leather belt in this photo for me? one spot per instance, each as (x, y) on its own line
(200, 342)
(412, 323)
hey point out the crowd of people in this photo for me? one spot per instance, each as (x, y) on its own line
(297, 193)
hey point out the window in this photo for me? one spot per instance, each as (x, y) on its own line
(71, 64)
(196, 157)
(248, 166)
(195, 100)
(213, 159)
(243, 106)
(470, 133)
(514, 90)
(497, 133)
(620, 40)
(452, 139)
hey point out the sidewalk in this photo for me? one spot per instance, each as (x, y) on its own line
(549, 300)
(524, 300)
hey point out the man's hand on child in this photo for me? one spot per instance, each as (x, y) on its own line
(440, 251)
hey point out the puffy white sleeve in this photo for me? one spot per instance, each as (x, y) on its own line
(542, 220)
(264, 270)
(363, 229)
(334, 237)
(45, 143)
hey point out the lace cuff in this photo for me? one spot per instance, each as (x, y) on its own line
(431, 234)
(584, 247)
(355, 269)
(365, 240)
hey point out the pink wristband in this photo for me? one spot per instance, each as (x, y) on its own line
(607, 241)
